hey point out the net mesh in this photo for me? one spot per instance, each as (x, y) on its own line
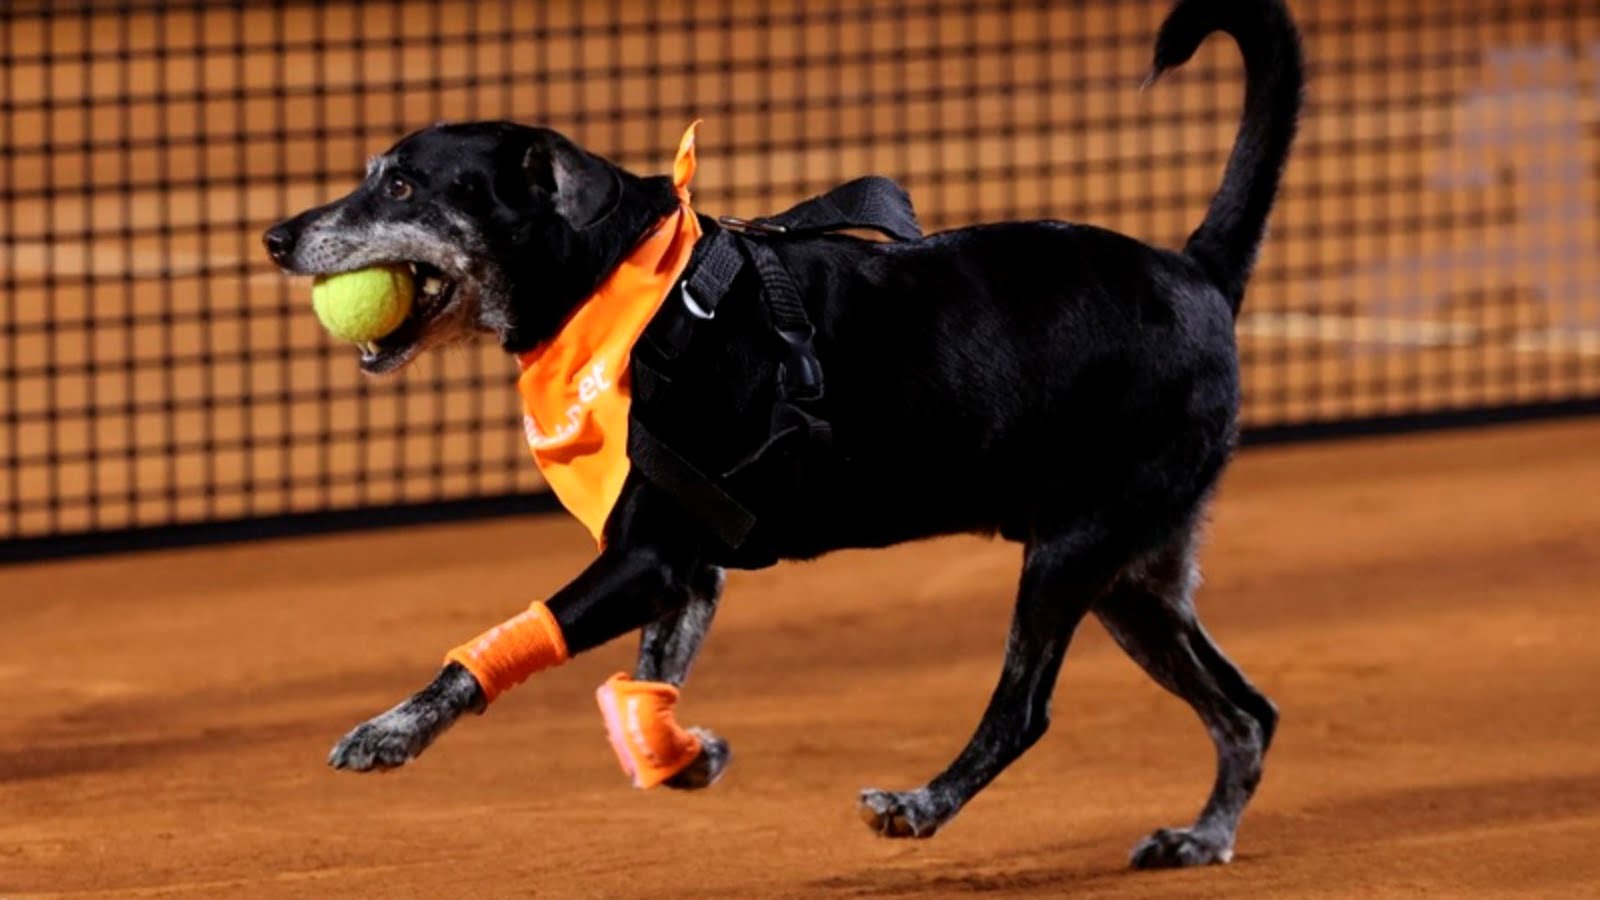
(1436, 247)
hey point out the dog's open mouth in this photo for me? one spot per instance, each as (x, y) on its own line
(435, 294)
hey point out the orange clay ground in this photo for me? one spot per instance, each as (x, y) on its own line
(1423, 609)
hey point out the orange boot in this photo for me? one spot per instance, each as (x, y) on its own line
(649, 743)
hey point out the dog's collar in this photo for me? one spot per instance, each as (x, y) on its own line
(576, 388)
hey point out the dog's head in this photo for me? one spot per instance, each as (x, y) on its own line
(507, 228)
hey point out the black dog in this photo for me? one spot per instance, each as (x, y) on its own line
(1061, 385)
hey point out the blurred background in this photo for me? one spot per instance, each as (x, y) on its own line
(1433, 259)
(1418, 597)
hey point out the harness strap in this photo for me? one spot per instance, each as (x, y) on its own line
(689, 486)
(872, 203)
(800, 375)
(712, 274)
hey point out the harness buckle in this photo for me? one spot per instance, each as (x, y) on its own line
(801, 372)
(750, 226)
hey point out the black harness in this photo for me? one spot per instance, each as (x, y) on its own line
(794, 434)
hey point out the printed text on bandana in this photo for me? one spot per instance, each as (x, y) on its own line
(589, 389)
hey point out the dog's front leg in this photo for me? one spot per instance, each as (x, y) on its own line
(399, 735)
(631, 583)
(667, 648)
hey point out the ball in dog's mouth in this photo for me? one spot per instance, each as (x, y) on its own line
(435, 292)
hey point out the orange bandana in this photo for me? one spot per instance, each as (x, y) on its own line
(575, 387)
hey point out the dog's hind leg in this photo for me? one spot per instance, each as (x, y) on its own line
(1058, 586)
(1150, 613)
(667, 648)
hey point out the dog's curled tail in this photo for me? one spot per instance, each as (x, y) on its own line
(1226, 242)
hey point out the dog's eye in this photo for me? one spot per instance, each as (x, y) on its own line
(398, 189)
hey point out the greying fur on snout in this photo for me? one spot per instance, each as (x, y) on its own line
(341, 241)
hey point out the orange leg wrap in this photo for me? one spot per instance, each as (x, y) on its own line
(505, 655)
(646, 736)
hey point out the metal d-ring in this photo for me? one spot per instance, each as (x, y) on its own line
(693, 305)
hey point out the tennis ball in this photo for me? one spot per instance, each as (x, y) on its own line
(363, 305)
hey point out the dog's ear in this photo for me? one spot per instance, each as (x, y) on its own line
(580, 186)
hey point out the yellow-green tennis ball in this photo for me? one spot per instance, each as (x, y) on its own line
(363, 305)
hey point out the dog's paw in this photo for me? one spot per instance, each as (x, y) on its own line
(1172, 848)
(707, 767)
(909, 814)
(387, 741)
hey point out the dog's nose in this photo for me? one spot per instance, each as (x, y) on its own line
(279, 242)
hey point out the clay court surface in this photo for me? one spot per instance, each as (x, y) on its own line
(1422, 608)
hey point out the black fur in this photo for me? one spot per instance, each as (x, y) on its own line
(1058, 384)
(1227, 240)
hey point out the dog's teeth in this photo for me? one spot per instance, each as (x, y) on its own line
(412, 266)
(370, 348)
(432, 286)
